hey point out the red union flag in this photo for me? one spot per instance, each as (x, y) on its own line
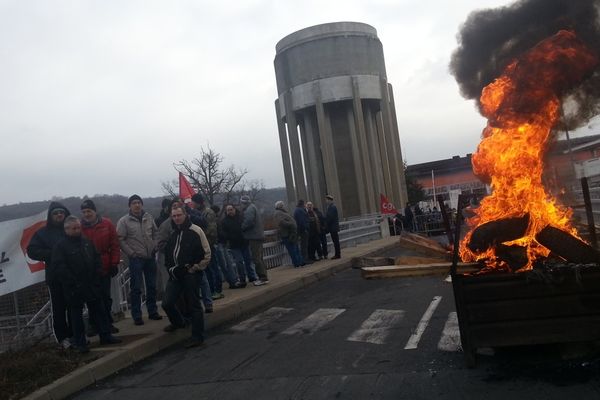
(386, 206)
(186, 191)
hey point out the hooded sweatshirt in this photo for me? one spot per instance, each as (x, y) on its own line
(42, 242)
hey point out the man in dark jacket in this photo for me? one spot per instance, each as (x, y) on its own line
(77, 265)
(288, 233)
(333, 225)
(187, 254)
(213, 273)
(40, 248)
(103, 234)
(301, 217)
(252, 227)
(323, 233)
(237, 245)
(314, 234)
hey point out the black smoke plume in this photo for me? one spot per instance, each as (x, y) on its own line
(490, 39)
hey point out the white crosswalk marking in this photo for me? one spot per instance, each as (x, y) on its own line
(377, 327)
(450, 339)
(414, 339)
(260, 320)
(314, 321)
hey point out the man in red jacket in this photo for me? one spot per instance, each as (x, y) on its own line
(103, 234)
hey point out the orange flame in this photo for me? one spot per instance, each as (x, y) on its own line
(522, 106)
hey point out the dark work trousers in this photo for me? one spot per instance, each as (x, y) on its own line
(190, 288)
(314, 246)
(303, 237)
(323, 239)
(336, 243)
(61, 319)
(256, 249)
(106, 302)
(97, 312)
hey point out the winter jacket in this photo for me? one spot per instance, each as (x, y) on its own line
(322, 220)
(104, 236)
(162, 217)
(301, 217)
(137, 235)
(77, 265)
(286, 225)
(252, 224)
(211, 225)
(314, 225)
(333, 221)
(41, 244)
(164, 232)
(197, 218)
(231, 229)
(187, 247)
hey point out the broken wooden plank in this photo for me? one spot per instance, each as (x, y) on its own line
(397, 271)
(423, 246)
(414, 260)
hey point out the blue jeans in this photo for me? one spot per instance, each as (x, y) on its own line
(188, 286)
(213, 273)
(204, 289)
(223, 261)
(142, 268)
(243, 263)
(294, 251)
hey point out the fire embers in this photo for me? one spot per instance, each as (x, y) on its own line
(497, 239)
(522, 107)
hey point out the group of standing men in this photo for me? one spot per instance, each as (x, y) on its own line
(82, 255)
(304, 234)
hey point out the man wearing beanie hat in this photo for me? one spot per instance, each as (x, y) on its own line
(137, 236)
(40, 248)
(102, 233)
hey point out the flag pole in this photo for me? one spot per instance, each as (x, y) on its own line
(433, 185)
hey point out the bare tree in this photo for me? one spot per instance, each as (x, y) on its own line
(207, 175)
(252, 188)
(170, 188)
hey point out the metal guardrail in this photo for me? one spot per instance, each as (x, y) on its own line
(21, 330)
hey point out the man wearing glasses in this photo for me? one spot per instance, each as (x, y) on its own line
(40, 249)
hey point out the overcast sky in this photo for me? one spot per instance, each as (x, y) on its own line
(101, 97)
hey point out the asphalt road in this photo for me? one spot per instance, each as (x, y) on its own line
(348, 338)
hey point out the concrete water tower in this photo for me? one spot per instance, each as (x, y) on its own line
(338, 108)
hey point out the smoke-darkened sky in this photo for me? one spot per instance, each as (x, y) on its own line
(490, 39)
(103, 96)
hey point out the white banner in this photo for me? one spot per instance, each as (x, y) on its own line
(16, 269)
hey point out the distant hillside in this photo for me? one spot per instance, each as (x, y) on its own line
(115, 206)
